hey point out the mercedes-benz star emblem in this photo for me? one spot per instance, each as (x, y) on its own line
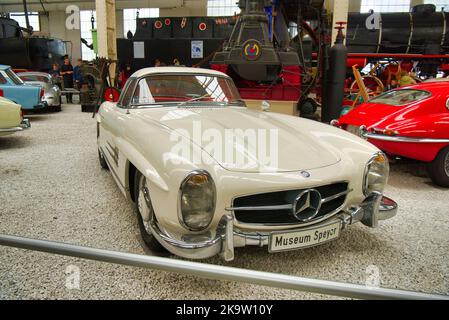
(307, 205)
(305, 174)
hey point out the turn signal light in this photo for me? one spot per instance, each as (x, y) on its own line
(1, 93)
(387, 132)
(335, 123)
(390, 132)
(41, 93)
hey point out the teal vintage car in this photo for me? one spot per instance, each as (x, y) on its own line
(14, 89)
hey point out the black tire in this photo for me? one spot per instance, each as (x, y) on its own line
(149, 240)
(438, 169)
(55, 108)
(102, 160)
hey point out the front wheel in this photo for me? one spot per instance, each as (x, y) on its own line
(145, 213)
(102, 160)
(438, 169)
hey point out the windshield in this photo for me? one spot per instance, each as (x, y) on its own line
(401, 97)
(34, 78)
(13, 76)
(185, 88)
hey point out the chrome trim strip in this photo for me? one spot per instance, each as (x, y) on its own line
(262, 208)
(336, 196)
(383, 137)
(111, 169)
(13, 129)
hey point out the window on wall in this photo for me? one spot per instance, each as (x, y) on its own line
(385, 5)
(86, 33)
(439, 4)
(222, 7)
(129, 17)
(33, 18)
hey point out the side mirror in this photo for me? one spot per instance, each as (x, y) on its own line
(265, 105)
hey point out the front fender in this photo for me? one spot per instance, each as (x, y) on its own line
(143, 165)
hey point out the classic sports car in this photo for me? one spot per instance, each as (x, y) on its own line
(412, 122)
(11, 119)
(52, 93)
(182, 145)
(14, 89)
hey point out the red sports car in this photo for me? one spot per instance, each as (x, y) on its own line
(411, 122)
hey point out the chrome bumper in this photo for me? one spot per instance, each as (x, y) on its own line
(25, 124)
(373, 209)
(382, 137)
(41, 105)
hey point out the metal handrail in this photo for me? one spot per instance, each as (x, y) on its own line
(216, 272)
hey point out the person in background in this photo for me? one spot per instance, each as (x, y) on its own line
(55, 75)
(124, 75)
(77, 74)
(67, 77)
(406, 79)
(157, 62)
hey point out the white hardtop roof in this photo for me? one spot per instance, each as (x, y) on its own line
(33, 73)
(168, 70)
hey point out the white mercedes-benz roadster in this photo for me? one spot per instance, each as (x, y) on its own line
(208, 175)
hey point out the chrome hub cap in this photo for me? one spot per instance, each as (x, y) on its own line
(446, 164)
(144, 204)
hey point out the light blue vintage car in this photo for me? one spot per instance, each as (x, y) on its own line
(14, 89)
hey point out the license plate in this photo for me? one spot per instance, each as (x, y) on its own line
(283, 241)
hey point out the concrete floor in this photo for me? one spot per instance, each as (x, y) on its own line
(52, 187)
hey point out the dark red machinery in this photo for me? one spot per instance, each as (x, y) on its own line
(257, 50)
(261, 67)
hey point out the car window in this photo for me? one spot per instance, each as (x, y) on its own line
(14, 78)
(401, 97)
(2, 79)
(180, 88)
(125, 98)
(142, 94)
(34, 78)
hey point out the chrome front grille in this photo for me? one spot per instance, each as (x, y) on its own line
(275, 208)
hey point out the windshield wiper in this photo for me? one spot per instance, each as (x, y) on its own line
(207, 95)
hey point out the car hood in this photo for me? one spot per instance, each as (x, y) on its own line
(377, 114)
(294, 148)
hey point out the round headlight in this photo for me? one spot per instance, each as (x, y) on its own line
(376, 174)
(197, 200)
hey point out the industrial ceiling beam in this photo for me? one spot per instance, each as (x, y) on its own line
(60, 5)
